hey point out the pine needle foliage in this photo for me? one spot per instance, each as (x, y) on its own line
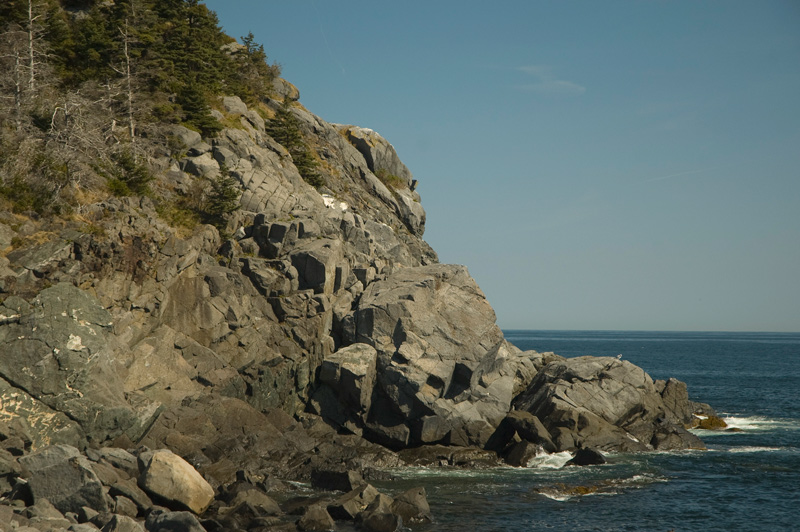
(285, 129)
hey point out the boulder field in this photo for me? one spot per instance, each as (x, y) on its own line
(164, 377)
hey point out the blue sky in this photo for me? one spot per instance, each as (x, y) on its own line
(596, 165)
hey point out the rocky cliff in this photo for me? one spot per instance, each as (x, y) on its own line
(316, 330)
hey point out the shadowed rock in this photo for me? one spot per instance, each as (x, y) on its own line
(64, 477)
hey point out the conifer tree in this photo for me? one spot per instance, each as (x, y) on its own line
(285, 129)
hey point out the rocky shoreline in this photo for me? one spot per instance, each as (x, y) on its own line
(154, 377)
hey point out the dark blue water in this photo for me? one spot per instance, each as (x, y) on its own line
(748, 480)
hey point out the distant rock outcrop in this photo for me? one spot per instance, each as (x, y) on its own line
(608, 404)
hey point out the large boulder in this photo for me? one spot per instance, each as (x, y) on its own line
(444, 371)
(56, 351)
(173, 480)
(64, 477)
(347, 381)
(377, 152)
(605, 403)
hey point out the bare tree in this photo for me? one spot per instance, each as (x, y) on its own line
(13, 86)
(125, 72)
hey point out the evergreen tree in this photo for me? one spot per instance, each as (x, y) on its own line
(285, 129)
(222, 200)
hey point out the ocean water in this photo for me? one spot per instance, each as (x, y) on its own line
(747, 480)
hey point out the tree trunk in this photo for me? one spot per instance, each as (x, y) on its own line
(31, 58)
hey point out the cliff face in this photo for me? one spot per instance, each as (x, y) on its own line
(119, 328)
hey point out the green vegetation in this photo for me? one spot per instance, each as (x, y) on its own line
(285, 129)
(87, 83)
(222, 200)
(390, 180)
(128, 176)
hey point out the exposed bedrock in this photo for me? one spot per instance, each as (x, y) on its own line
(444, 372)
(608, 404)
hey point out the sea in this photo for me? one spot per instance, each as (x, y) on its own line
(747, 480)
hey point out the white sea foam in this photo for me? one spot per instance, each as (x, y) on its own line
(760, 423)
(556, 495)
(550, 461)
(755, 449)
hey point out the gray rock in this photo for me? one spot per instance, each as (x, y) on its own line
(598, 402)
(521, 453)
(202, 165)
(58, 353)
(444, 371)
(186, 137)
(378, 153)
(165, 521)
(125, 506)
(378, 516)
(128, 489)
(122, 523)
(234, 105)
(336, 480)
(65, 478)
(45, 425)
(528, 428)
(351, 504)
(316, 263)
(412, 506)
(225, 157)
(83, 527)
(587, 456)
(260, 501)
(349, 377)
(317, 519)
(284, 89)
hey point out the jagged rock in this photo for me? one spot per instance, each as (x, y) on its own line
(336, 480)
(445, 374)
(119, 458)
(412, 506)
(64, 477)
(523, 425)
(348, 506)
(596, 402)
(378, 516)
(262, 502)
(347, 380)
(377, 152)
(203, 165)
(173, 479)
(125, 506)
(165, 521)
(122, 523)
(131, 491)
(186, 137)
(521, 453)
(82, 527)
(316, 262)
(45, 425)
(234, 105)
(316, 518)
(284, 89)
(676, 401)
(586, 456)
